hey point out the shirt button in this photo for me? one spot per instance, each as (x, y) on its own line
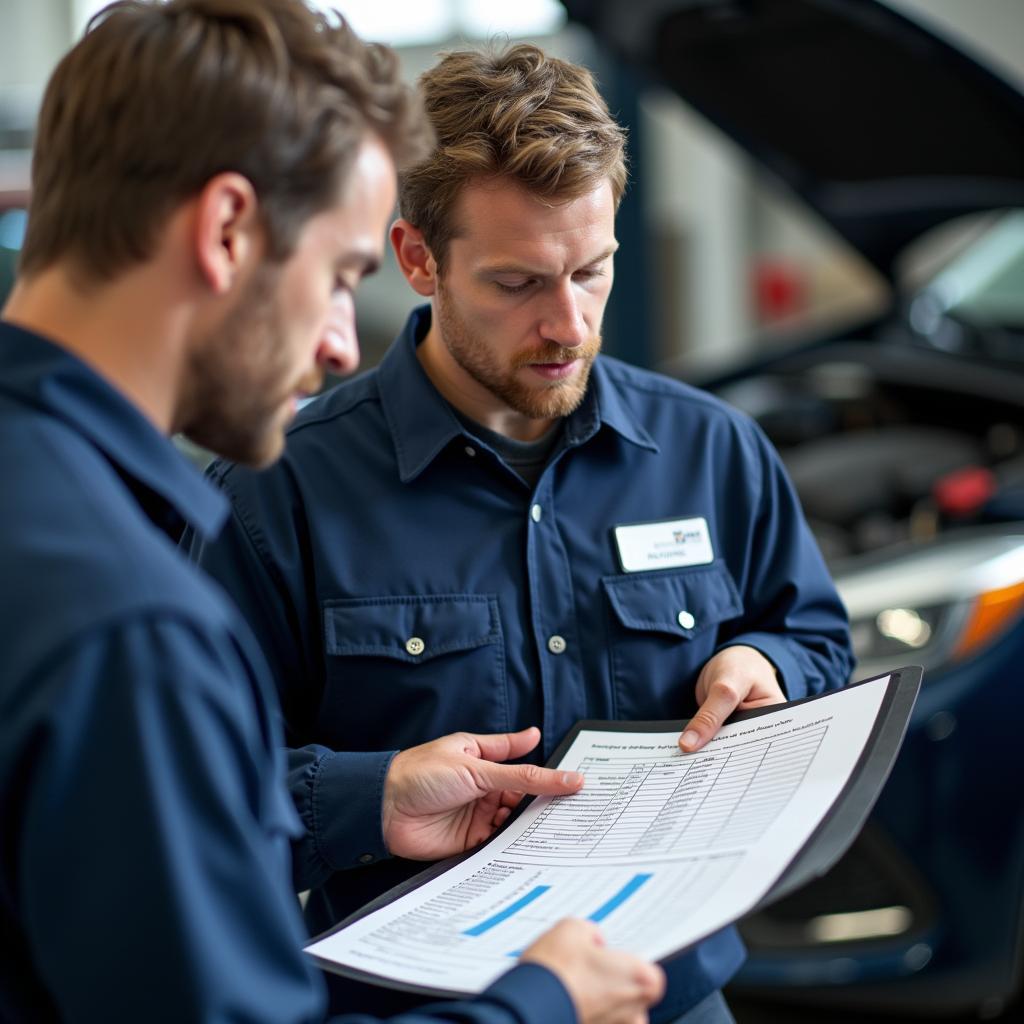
(556, 644)
(470, 450)
(414, 645)
(535, 513)
(366, 858)
(686, 620)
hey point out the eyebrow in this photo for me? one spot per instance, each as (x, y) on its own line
(519, 268)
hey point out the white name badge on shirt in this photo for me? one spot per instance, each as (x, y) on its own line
(668, 544)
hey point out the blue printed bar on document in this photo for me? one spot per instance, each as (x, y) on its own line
(484, 926)
(619, 898)
(597, 916)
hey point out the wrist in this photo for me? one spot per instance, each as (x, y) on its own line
(388, 796)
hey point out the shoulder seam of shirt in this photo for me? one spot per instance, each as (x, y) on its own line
(156, 614)
(257, 541)
(249, 527)
(675, 390)
(351, 403)
(650, 382)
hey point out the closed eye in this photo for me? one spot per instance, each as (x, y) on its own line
(513, 289)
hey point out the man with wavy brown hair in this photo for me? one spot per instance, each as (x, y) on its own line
(501, 527)
(211, 181)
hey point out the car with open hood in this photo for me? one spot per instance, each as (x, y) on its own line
(904, 436)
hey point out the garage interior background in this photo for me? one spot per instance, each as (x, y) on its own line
(731, 264)
(720, 266)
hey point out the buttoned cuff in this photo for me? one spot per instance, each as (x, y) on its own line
(778, 651)
(531, 993)
(347, 796)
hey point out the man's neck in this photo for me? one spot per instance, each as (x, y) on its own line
(470, 397)
(120, 329)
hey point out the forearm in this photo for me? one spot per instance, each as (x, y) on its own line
(793, 614)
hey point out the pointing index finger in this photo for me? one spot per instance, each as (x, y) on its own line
(529, 778)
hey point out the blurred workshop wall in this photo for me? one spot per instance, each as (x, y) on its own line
(716, 262)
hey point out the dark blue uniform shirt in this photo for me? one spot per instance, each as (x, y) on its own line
(389, 521)
(144, 821)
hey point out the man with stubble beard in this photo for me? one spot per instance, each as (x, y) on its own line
(500, 527)
(211, 181)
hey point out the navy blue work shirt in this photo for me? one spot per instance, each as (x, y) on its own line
(405, 583)
(144, 821)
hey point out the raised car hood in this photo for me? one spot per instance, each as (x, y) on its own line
(882, 127)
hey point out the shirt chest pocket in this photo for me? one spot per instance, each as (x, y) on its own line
(662, 628)
(405, 669)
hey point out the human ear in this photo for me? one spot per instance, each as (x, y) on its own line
(414, 257)
(228, 233)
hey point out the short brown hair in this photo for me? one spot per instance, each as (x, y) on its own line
(517, 113)
(158, 98)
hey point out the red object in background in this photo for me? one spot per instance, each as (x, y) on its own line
(964, 492)
(780, 288)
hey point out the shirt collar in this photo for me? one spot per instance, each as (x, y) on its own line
(171, 490)
(422, 423)
(611, 408)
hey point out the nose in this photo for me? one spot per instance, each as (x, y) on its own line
(563, 321)
(338, 350)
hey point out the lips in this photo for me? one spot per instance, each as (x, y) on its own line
(556, 371)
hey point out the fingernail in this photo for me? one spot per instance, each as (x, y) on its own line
(690, 739)
(572, 778)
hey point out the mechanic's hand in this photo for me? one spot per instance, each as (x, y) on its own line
(737, 678)
(606, 986)
(444, 797)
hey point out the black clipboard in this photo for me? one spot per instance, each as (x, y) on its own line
(826, 844)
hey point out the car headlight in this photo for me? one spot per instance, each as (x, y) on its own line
(934, 605)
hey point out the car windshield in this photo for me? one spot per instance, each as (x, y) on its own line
(985, 284)
(966, 283)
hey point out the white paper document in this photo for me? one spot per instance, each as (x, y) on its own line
(660, 848)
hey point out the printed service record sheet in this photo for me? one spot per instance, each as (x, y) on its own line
(660, 848)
